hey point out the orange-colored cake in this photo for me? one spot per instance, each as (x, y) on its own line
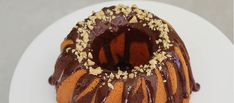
(123, 54)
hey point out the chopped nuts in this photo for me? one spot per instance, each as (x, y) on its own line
(100, 15)
(153, 61)
(148, 72)
(96, 71)
(131, 75)
(112, 76)
(110, 85)
(125, 77)
(134, 6)
(67, 49)
(79, 58)
(133, 20)
(161, 56)
(73, 50)
(83, 54)
(90, 62)
(90, 55)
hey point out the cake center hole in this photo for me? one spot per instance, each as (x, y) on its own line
(122, 50)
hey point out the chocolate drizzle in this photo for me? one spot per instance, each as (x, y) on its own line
(151, 85)
(167, 83)
(181, 75)
(81, 85)
(127, 87)
(101, 36)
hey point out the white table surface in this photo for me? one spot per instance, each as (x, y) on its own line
(22, 20)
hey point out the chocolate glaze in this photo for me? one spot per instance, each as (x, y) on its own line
(82, 83)
(104, 41)
(66, 63)
(138, 97)
(102, 93)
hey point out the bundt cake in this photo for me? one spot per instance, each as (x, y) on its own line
(123, 54)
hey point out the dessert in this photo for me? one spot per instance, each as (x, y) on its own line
(123, 54)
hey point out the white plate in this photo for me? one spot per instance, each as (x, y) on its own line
(210, 51)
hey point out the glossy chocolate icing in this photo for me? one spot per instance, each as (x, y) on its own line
(66, 63)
